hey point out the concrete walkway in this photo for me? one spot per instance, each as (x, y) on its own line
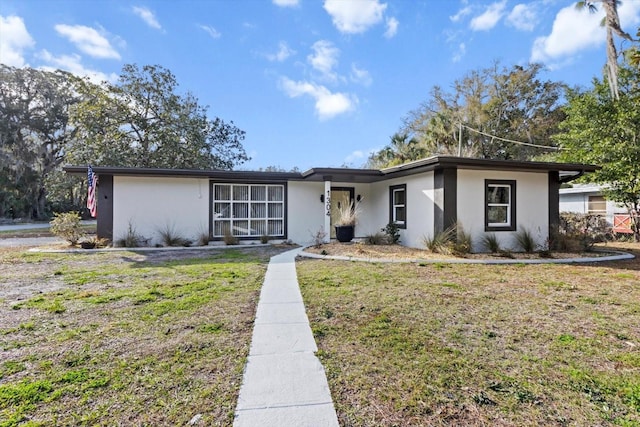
(284, 383)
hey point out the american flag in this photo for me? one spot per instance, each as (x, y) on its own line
(91, 195)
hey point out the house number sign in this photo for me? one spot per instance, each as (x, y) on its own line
(327, 203)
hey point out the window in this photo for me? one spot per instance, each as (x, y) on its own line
(500, 205)
(597, 205)
(398, 205)
(248, 210)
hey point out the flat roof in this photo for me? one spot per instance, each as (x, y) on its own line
(567, 171)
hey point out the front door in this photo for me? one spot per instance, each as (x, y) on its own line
(340, 196)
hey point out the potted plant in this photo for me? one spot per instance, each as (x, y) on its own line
(346, 222)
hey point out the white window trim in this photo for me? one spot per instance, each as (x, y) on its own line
(231, 218)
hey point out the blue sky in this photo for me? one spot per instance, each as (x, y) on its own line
(313, 83)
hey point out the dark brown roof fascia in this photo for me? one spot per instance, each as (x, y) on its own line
(441, 162)
(188, 173)
(342, 175)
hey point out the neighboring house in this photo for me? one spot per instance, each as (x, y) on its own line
(422, 197)
(589, 199)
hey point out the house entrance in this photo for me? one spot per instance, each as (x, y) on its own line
(340, 196)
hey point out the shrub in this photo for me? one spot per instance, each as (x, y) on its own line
(132, 239)
(441, 242)
(264, 239)
(525, 241)
(95, 243)
(202, 239)
(392, 231)
(170, 237)
(376, 239)
(229, 238)
(453, 240)
(463, 242)
(67, 226)
(491, 243)
(318, 237)
(578, 231)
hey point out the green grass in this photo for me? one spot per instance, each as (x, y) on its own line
(477, 345)
(126, 338)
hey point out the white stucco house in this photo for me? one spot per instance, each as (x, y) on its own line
(422, 197)
(589, 199)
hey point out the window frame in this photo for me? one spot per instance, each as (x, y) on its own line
(596, 200)
(392, 206)
(510, 225)
(263, 202)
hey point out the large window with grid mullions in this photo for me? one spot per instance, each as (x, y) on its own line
(248, 210)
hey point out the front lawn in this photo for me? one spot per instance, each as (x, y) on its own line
(444, 344)
(125, 338)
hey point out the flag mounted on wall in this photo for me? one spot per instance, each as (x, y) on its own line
(91, 192)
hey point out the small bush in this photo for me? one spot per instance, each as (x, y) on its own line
(132, 239)
(264, 239)
(229, 239)
(578, 231)
(319, 237)
(377, 239)
(67, 226)
(441, 242)
(454, 240)
(491, 243)
(95, 243)
(392, 231)
(202, 239)
(463, 242)
(170, 237)
(525, 241)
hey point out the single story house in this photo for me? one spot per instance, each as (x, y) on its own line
(422, 197)
(589, 199)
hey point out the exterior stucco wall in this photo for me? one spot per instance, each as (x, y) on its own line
(305, 211)
(420, 202)
(151, 204)
(532, 205)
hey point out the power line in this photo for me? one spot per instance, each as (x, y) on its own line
(510, 140)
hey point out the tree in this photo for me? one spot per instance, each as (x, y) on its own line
(486, 108)
(402, 149)
(612, 24)
(603, 130)
(140, 121)
(34, 135)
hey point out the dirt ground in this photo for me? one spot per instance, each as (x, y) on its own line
(397, 252)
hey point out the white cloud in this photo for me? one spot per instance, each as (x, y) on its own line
(324, 58)
(286, 3)
(15, 39)
(576, 30)
(360, 155)
(215, 34)
(361, 76)
(327, 104)
(88, 40)
(147, 16)
(72, 64)
(489, 18)
(284, 52)
(523, 17)
(461, 14)
(392, 28)
(462, 50)
(355, 16)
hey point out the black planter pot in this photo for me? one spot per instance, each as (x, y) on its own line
(344, 233)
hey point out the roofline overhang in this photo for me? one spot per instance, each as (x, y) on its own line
(566, 171)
